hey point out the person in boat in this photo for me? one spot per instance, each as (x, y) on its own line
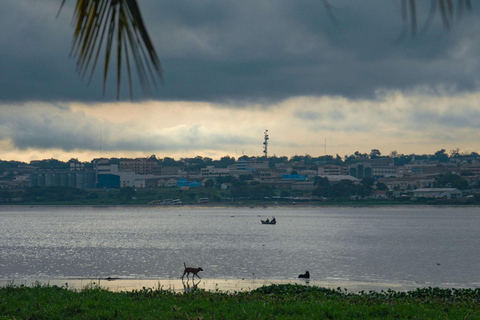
(267, 221)
(273, 220)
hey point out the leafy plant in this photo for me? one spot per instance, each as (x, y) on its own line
(118, 25)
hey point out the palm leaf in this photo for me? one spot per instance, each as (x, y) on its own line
(431, 14)
(114, 27)
(413, 17)
(448, 14)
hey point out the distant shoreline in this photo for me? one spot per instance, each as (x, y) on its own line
(247, 205)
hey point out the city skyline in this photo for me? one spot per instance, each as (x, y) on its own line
(441, 155)
(234, 70)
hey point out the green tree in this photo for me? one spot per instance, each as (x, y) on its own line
(209, 184)
(455, 153)
(5, 196)
(362, 190)
(224, 162)
(169, 162)
(450, 180)
(401, 160)
(349, 159)
(368, 182)
(241, 191)
(228, 179)
(342, 189)
(381, 186)
(127, 193)
(285, 194)
(245, 177)
(260, 191)
(375, 153)
(338, 160)
(360, 156)
(272, 160)
(321, 182)
(197, 163)
(440, 156)
(322, 187)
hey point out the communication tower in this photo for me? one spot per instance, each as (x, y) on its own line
(265, 143)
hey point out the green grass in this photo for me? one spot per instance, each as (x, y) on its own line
(271, 302)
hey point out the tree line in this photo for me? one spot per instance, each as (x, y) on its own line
(198, 162)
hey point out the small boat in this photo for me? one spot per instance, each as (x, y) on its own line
(273, 221)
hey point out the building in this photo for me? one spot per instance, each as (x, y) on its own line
(293, 177)
(82, 179)
(140, 166)
(408, 182)
(473, 168)
(184, 183)
(212, 172)
(373, 168)
(332, 170)
(443, 193)
(336, 179)
(427, 168)
(303, 185)
(247, 166)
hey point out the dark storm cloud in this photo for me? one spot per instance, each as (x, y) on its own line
(247, 50)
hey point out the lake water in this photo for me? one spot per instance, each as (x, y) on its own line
(396, 246)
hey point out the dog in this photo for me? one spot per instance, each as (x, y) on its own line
(306, 275)
(189, 270)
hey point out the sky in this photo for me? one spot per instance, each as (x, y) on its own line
(233, 69)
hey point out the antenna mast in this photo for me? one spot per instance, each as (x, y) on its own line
(265, 144)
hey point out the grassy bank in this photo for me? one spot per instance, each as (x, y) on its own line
(271, 302)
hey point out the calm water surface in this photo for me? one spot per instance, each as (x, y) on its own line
(428, 246)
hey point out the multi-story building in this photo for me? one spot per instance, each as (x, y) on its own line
(212, 172)
(140, 165)
(246, 167)
(373, 168)
(427, 168)
(408, 182)
(81, 179)
(472, 168)
(332, 170)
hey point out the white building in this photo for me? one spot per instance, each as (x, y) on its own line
(212, 172)
(408, 182)
(447, 193)
(332, 170)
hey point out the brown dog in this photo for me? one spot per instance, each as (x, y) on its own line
(189, 270)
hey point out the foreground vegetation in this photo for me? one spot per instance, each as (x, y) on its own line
(271, 302)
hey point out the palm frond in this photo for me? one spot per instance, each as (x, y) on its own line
(114, 27)
(431, 14)
(449, 14)
(329, 10)
(413, 18)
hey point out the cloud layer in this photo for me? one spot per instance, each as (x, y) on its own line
(234, 69)
(417, 123)
(249, 51)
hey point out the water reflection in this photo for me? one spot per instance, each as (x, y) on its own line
(427, 246)
(187, 287)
